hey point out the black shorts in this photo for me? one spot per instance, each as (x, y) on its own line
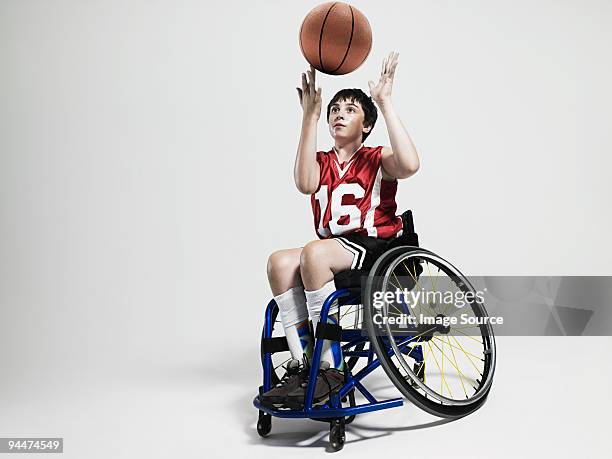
(365, 249)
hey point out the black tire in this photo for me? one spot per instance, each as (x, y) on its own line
(264, 424)
(405, 384)
(337, 434)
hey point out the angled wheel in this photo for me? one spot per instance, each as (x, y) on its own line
(337, 434)
(439, 320)
(264, 424)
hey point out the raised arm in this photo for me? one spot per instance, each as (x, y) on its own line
(401, 160)
(307, 172)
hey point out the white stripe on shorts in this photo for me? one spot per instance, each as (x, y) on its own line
(357, 251)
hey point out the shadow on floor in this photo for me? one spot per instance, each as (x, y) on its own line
(299, 433)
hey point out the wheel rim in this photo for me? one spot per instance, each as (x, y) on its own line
(459, 367)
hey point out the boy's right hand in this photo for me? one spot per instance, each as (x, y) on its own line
(310, 99)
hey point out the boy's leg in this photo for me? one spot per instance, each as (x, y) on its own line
(286, 285)
(294, 317)
(319, 262)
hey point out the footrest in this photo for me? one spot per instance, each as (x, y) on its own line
(326, 412)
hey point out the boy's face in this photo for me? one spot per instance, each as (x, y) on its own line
(346, 120)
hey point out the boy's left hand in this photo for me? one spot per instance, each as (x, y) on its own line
(381, 93)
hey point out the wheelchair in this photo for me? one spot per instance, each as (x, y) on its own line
(446, 370)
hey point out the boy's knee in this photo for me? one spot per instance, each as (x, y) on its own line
(279, 262)
(312, 255)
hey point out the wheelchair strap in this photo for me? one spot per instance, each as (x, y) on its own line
(329, 331)
(273, 345)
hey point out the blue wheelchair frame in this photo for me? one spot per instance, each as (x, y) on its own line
(353, 337)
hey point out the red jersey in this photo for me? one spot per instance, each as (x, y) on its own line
(353, 197)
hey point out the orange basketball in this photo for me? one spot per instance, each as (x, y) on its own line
(335, 38)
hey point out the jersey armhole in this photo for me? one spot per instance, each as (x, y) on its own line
(320, 161)
(382, 169)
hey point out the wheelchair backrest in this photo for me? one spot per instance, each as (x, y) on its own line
(408, 237)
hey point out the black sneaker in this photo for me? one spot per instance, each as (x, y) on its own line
(329, 380)
(291, 380)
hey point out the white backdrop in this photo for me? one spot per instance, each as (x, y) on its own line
(146, 155)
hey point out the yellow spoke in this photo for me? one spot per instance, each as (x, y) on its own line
(402, 343)
(441, 372)
(417, 285)
(442, 358)
(419, 304)
(457, 366)
(450, 304)
(469, 336)
(413, 275)
(392, 304)
(448, 288)
(397, 279)
(443, 353)
(350, 310)
(425, 355)
(399, 282)
(467, 354)
(413, 347)
(463, 327)
(461, 349)
(424, 362)
(433, 284)
(416, 281)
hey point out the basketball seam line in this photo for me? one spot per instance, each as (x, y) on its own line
(321, 36)
(348, 48)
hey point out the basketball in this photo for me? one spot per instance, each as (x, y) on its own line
(335, 38)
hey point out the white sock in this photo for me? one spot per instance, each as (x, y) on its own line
(331, 352)
(293, 312)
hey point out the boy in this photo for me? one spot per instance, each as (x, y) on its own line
(352, 190)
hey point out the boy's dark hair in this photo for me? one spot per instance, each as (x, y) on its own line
(357, 95)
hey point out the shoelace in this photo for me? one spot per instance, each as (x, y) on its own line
(306, 367)
(322, 373)
(285, 379)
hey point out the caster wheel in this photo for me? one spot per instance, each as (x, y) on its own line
(336, 434)
(264, 424)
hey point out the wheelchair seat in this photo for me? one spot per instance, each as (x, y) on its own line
(351, 279)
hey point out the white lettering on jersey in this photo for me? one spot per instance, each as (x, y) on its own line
(339, 210)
